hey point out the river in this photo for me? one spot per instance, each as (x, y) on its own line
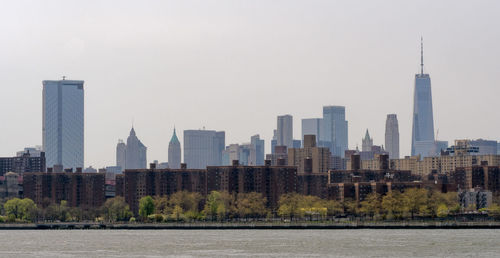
(251, 243)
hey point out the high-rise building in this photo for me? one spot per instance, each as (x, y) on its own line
(285, 131)
(310, 158)
(33, 151)
(274, 141)
(367, 142)
(258, 144)
(423, 121)
(335, 133)
(486, 147)
(312, 126)
(121, 154)
(135, 153)
(63, 123)
(203, 148)
(392, 136)
(174, 152)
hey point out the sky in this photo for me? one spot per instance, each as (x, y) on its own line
(236, 65)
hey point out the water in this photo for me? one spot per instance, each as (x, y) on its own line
(250, 243)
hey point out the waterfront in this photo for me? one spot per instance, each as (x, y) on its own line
(247, 243)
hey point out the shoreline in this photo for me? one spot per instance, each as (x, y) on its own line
(251, 226)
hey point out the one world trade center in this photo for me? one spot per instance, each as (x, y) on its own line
(423, 122)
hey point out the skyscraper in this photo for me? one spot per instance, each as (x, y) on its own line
(258, 144)
(335, 131)
(135, 154)
(367, 142)
(423, 122)
(392, 136)
(121, 154)
(174, 152)
(312, 126)
(285, 131)
(203, 148)
(63, 123)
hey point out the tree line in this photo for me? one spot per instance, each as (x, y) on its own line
(186, 206)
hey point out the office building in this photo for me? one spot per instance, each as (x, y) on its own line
(367, 142)
(274, 141)
(121, 154)
(63, 123)
(33, 151)
(423, 121)
(312, 126)
(203, 148)
(131, 155)
(285, 131)
(335, 134)
(486, 147)
(310, 159)
(392, 136)
(258, 145)
(174, 152)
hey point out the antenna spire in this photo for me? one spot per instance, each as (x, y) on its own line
(421, 55)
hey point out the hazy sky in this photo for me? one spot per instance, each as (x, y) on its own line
(236, 65)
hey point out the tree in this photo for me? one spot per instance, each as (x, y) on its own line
(442, 210)
(289, 205)
(116, 209)
(146, 207)
(162, 205)
(392, 205)
(220, 205)
(334, 208)
(350, 206)
(371, 206)
(415, 201)
(23, 209)
(251, 205)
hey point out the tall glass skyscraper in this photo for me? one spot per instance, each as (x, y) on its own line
(335, 132)
(285, 131)
(63, 123)
(423, 122)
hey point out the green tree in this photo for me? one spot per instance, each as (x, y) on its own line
(116, 209)
(334, 208)
(289, 205)
(22, 209)
(162, 205)
(442, 210)
(350, 206)
(220, 205)
(251, 205)
(371, 205)
(392, 205)
(415, 201)
(494, 211)
(146, 207)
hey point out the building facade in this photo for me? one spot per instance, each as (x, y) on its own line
(174, 152)
(312, 126)
(392, 136)
(85, 190)
(310, 159)
(284, 131)
(335, 134)
(203, 148)
(23, 164)
(133, 154)
(63, 123)
(423, 119)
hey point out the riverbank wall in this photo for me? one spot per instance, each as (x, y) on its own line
(259, 226)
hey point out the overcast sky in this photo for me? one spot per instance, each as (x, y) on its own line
(236, 65)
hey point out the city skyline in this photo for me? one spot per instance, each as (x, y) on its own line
(320, 60)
